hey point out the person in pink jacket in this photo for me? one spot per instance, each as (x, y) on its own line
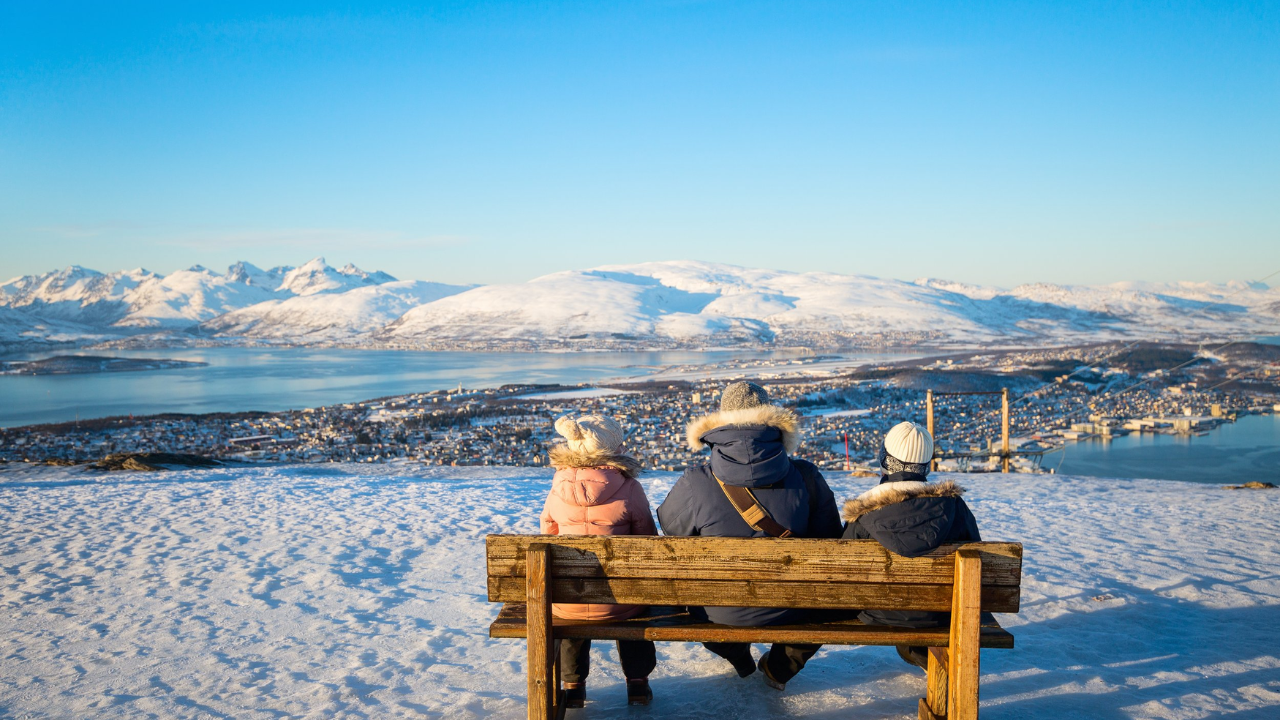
(594, 492)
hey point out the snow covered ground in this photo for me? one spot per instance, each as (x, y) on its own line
(358, 591)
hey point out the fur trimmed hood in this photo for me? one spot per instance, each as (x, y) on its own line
(891, 493)
(562, 456)
(769, 415)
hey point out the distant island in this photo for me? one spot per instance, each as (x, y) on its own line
(82, 364)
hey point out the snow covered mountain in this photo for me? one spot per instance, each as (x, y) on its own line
(688, 301)
(328, 317)
(660, 304)
(142, 299)
(74, 294)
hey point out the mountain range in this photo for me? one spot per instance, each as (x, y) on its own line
(659, 304)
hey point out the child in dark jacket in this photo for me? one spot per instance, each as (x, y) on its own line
(909, 516)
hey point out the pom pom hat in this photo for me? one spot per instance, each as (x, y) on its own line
(591, 433)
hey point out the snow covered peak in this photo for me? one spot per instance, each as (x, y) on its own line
(317, 276)
(249, 274)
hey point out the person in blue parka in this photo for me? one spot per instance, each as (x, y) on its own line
(909, 516)
(751, 442)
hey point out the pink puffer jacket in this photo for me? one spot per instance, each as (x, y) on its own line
(598, 500)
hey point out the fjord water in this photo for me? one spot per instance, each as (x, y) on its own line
(238, 379)
(1248, 449)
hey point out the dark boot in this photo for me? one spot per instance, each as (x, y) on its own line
(738, 655)
(913, 655)
(768, 678)
(575, 695)
(638, 692)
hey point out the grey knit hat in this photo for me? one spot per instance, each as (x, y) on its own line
(742, 395)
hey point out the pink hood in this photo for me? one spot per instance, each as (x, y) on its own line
(587, 487)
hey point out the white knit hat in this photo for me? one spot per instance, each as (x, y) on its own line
(909, 442)
(591, 433)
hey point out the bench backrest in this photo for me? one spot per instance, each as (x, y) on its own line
(750, 572)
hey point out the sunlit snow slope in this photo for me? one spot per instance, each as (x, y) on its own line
(684, 300)
(358, 591)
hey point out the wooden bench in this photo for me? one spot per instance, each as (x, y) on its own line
(529, 572)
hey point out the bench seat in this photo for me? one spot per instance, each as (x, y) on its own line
(529, 573)
(676, 625)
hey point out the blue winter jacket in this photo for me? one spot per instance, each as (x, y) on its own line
(749, 448)
(910, 517)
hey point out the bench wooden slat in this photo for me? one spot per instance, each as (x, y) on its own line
(672, 624)
(734, 558)
(753, 593)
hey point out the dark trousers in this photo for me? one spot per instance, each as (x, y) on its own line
(785, 660)
(639, 658)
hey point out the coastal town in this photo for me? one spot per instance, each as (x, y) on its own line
(1056, 397)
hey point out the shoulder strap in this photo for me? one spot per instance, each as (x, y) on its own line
(751, 510)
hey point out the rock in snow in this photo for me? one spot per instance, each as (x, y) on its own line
(359, 591)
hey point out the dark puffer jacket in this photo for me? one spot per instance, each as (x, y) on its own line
(750, 448)
(910, 517)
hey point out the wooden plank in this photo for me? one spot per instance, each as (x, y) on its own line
(963, 668)
(754, 593)
(735, 558)
(541, 643)
(677, 626)
(935, 699)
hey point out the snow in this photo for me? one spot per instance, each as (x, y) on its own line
(186, 297)
(578, 394)
(143, 301)
(357, 591)
(832, 412)
(329, 316)
(685, 301)
(316, 277)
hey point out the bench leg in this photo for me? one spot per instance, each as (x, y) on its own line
(933, 706)
(556, 691)
(542, 693)
(962, 670)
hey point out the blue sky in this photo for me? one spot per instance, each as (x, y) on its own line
(994, 143)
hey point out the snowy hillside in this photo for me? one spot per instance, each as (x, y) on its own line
(719, 303)
(664, 304)
(359, 591)
(328, 317)
(20, 331)
(186, 297)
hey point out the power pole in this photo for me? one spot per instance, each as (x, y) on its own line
(1004, 427)
(928, 405)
